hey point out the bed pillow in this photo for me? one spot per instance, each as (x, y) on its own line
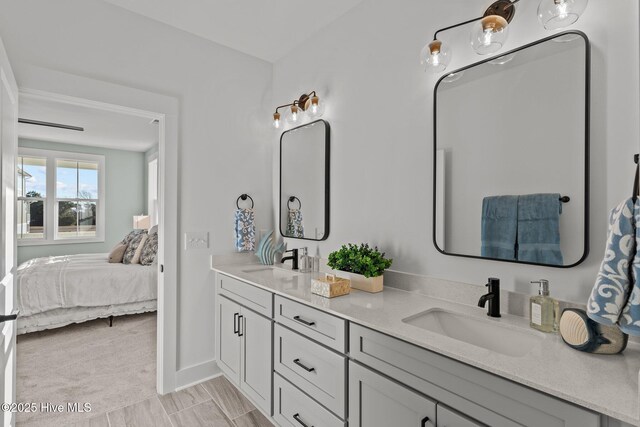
(150, 250)
(117, 253)
(129, 237)
(153, 230)
(136, 256)
(135, 242)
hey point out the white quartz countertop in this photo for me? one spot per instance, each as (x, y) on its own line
(607, 384)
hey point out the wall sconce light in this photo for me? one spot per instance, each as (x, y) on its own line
(308, 104)
(490, 33)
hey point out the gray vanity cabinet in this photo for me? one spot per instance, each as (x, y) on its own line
(228, 340)
(375, 401)
(255, 369)
(244, 339)
(449, 418)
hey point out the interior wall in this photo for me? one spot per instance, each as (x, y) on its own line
(224, 101)
(379, 104)
(124, 195)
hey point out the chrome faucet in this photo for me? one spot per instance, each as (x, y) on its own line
(493, 297)
(293, 258)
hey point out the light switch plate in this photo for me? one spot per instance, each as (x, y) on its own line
(196, 240)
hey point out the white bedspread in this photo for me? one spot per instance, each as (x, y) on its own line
(86, 280)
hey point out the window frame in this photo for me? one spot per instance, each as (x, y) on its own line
(51, 199)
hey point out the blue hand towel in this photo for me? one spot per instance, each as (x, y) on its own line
(499, 227)
(245, 230)
(539, 228)
(295, 226)
(615, 295)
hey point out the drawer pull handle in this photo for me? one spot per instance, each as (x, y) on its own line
(424, 422)
(304, 322)
(303, 366)
(235, 323)
(240, 325)
(298, 419)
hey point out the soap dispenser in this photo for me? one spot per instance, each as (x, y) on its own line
(544, 310)
(306, 261)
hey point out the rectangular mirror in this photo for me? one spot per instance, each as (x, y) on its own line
(511, 179)
(304, 181)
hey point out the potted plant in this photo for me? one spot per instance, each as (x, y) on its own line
(364, 264)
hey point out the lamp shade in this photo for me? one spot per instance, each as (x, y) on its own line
(141, 222)
(435, 57)
(555, 14)
(490, 35)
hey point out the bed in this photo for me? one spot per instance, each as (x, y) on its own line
(57, 291)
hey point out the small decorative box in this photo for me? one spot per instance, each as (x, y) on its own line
(330, 286)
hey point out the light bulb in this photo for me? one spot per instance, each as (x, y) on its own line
(316, 109)
(294, 115)
(555, 14)
(277, 123)
(435, 57)
(490, 35)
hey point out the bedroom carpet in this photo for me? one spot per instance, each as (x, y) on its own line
(114, 370)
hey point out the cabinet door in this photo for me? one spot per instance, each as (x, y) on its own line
(375, 401)
(449, 418)
(257, 355)
(228, 338)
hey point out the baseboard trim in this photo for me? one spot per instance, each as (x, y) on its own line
(196, 374)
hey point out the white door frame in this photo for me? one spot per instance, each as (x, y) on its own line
(167, 225)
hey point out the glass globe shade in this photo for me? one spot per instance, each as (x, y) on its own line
(277, 121)
(555, 14)
(294, 115)
(316, 108)
(435, 57)
(453, 77)
(501, 60)
(490, 35)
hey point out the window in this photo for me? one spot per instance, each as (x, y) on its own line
(32, 195)
(60, 197)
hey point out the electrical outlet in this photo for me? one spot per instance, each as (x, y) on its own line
(196, 240)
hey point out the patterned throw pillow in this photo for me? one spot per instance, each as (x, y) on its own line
(150, 250)
(133, 246)
(127, 239)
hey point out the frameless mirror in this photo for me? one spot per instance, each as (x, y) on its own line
(304, 181)
(511, 155)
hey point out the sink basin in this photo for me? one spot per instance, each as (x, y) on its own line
(485, 333)
(275, 272)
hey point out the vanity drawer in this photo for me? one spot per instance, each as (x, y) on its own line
(314, 369)
(250, 296)
(322, 327)
(485, 397)
(293, 408)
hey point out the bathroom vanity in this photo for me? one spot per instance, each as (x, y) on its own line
(385, 360)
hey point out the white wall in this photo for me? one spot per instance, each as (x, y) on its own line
(223, 99)
(379, 104)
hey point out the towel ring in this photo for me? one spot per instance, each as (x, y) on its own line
(244, 197)
(293, 199)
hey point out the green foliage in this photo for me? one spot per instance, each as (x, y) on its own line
(359, 260)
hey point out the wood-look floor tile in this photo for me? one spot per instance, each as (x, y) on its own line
(148, 413)
(253, 419)
(179, 400)
(232, 402)
(204, 414)
(100, 420)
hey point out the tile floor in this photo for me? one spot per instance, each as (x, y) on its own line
(114, 369)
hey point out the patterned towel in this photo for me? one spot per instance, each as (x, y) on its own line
(615, 298)
(245, 230)
(295, 226)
